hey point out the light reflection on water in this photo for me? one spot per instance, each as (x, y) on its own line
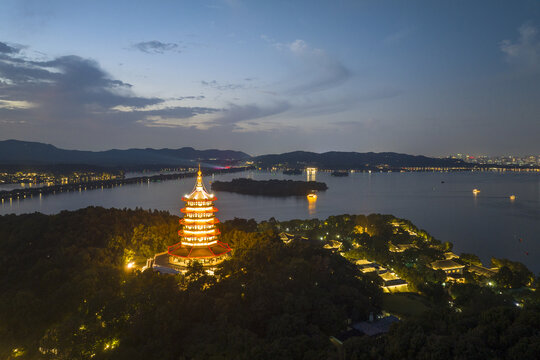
(312, 206)
(487, 224)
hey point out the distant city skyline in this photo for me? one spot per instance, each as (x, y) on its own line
(418, 77)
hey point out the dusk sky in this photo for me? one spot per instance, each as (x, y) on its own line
(419, 77)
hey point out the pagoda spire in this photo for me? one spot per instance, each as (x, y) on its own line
(199, 182)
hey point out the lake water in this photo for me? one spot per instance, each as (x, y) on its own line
(488, 224)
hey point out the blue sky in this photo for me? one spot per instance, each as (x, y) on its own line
(421, 77)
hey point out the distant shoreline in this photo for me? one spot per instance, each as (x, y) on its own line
(100, 184)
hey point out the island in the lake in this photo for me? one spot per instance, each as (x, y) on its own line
(269, 187)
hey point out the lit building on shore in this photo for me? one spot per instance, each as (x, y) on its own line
(452, 269)
(199, 236)
(311, 173)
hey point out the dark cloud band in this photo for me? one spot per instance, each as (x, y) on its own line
(155, 47)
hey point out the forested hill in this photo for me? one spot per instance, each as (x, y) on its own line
(354, 160)
(24, 153)
(35, 153)
(69, 293)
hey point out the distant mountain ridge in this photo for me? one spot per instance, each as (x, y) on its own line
(15, 152)
(24, 153)
(353, 160)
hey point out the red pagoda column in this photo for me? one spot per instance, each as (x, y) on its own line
(199, 237)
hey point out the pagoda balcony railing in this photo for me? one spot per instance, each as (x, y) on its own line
(199, 216)
(198, 229)
(211, 199)
(205, 237)
(199, 233)
(199, 210)
(197, 226)
(199, 203)
(196, 221)
(195, 243)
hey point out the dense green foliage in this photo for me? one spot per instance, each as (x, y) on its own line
(269, 187)
(67, 293)
(51, 263)
(369, 237)
(512, 274)
(499, 332)
(470, 259)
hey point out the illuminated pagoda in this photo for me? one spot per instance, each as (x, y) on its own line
(199, 237)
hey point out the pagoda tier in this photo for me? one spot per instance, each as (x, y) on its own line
(199, 237)
(184, 198)
(199, 210)
(185, 221)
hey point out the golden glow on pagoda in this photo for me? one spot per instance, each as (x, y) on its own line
(199, 237)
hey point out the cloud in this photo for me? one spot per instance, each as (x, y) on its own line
(13, 104)
(74, 95)
(368, 123)
(233, 118)
(74, 91)
(179, 118)
(155, 47)
(70, 81)
(223, 86)
(326, 105)
(6, 49)
(191, 97)
(525, 51)
(298, 47)
(235, 114)
(315, 69)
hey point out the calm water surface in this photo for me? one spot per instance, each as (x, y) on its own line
(488, 224)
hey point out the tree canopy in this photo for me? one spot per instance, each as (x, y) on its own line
(68, 294)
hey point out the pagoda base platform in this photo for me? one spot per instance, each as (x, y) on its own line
(179, 257)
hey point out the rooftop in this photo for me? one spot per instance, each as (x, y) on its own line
(446, 265)
(199, 191)
(450, 255)
(376, 327)
(482, 271)
(199, 252)
(394, 282)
